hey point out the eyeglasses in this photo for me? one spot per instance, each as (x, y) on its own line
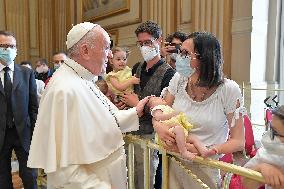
(6, 46)
(273, 133)
(186, 54)
(148, 43)
(59, 61)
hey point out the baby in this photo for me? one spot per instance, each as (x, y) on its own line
(269, 160)
(120, 80)
(179, 125)
(102, 85)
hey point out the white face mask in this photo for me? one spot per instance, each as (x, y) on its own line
(275, 146)
(149, 53)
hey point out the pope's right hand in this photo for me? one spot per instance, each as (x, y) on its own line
(140, 106)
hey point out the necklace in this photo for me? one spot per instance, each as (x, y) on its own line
(99, 95)
(197, 93)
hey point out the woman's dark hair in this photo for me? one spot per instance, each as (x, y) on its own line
(279, 112)
(209, 53)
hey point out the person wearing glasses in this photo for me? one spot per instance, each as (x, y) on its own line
(212, 103)
(171, 48)
(269, 159)
(58, 59)
(18, 113)
(155, 74)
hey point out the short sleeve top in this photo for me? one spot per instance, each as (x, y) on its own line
(209, 116)
(122, 76)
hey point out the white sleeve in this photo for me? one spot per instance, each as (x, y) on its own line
(231, 95)
(173, 85)
(128, 120)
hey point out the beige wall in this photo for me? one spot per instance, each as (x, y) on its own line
(229, 20)
(41, 25)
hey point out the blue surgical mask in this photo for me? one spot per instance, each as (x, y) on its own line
(8, 55)
(183, 66)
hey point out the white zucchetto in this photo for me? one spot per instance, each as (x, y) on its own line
(78, 32)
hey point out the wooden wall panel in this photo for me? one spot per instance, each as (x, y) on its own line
(2, 15)
(215, 16)
(163, 12)
(17, 21)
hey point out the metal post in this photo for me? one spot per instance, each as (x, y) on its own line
(146, 167)
(131, 184)
(165, 171)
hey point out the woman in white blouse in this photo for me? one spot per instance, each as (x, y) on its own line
(212, 103)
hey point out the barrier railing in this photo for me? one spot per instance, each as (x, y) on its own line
(244, 88)
(133, 139)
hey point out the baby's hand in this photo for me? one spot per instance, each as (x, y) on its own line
(135, 80)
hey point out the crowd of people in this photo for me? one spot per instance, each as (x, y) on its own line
(177, 96)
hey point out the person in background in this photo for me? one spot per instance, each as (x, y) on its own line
(43, 72)
(212, 103)
(120, 80)
(155, 74)
(78, 138)
(18, 113)
(269, 159)
(39, 83)
(58, 59)
(171, 48)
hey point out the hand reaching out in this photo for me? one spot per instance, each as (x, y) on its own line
(140, 105)
(273, 176)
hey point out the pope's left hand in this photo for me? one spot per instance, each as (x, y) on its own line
(141, 104)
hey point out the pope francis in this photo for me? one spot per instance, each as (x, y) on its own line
(78, 135)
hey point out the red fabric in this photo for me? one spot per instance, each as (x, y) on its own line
(228, 158)
(249, 145)
(236, 182)
(268, 115)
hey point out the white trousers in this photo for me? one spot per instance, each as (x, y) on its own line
(107, 173)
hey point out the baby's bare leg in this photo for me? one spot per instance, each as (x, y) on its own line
(181, 142)
(204, 152)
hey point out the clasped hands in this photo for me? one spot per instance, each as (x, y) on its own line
(132, 100)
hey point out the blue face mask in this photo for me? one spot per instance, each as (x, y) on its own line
(183, 66)
(7, 55)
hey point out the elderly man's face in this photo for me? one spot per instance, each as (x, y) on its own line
(100, 53)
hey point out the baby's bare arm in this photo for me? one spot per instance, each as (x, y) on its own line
(124, 85)
(161, 116)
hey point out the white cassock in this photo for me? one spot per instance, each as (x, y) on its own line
(77, 140)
